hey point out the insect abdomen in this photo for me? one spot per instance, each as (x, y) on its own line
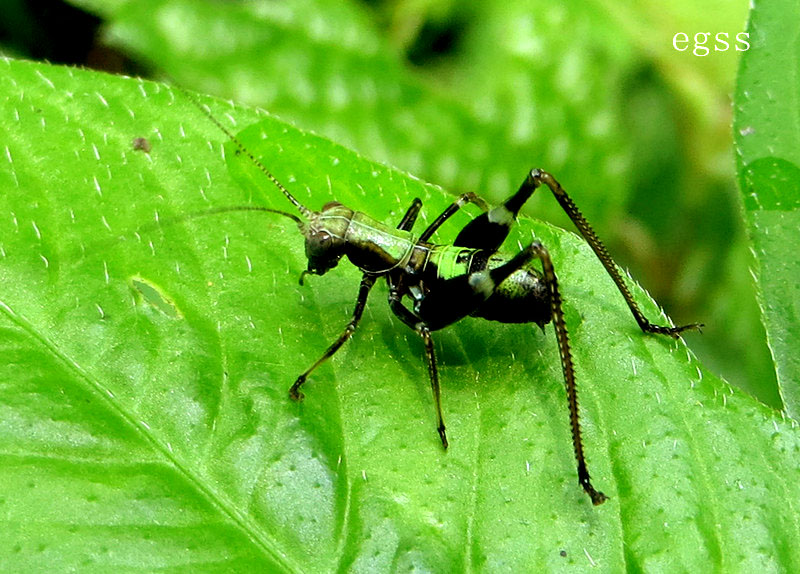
(447, 261)
(522, 298)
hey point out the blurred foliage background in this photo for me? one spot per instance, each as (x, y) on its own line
(470, 95)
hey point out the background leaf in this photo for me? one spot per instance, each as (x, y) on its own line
(767, 132)
(134, 437)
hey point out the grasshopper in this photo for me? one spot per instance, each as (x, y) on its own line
(446, 283)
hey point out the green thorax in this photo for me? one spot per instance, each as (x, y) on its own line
(376, 247)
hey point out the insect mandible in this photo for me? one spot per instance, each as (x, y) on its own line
(445, 283)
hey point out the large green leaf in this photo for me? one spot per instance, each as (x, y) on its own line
(767, 130)
(144, 416)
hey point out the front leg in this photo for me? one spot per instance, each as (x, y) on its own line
(367, 281)
(411, 215)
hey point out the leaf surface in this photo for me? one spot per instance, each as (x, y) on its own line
(144, 416)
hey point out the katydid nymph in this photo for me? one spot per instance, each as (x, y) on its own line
(446, 283)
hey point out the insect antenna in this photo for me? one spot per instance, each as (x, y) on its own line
(302, 208)
(227, 209)
(169, 221)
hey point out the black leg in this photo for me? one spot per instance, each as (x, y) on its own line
(484, 283)
(490, 229)
(455, 298)
(493, 224)
(411, 215)
(538, 251)
(423, 331)
(538, 177)
(434, 375)
(367, 281)
(448, 213)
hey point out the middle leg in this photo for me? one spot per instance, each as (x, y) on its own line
(451, 210)
(423, 331)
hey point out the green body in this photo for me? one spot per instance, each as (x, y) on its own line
(379, 249)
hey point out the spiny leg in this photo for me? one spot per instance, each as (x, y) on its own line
(535, 178)
(453, 299)
(538, 251)
(484, 283)
(367, 281)
(505, 214)
(488, 281)
(451, 209)
(423, 331)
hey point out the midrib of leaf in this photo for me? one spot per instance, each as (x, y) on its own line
(469, 555)
(218, 500)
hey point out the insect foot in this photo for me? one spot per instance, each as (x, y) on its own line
(294, 392)
(597, 497)
(443, 436)
(674, 332)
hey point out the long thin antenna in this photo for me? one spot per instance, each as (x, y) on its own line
(169, 221)
(216, 210)
(302, 208)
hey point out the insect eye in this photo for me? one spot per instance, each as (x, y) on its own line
(321, 241)
(318, 244)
